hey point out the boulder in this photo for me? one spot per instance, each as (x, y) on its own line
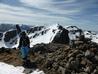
(61, 36)
(89, 54)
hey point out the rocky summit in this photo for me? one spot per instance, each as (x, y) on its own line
(55, 58)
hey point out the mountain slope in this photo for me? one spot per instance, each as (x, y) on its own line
(41, 34)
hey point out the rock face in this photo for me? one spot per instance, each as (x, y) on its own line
(61, 59)
(9, 35)
(34, 29)
(61, 36)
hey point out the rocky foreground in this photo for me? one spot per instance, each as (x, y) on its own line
(56, 58)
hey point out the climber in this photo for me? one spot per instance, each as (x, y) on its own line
(24, 46)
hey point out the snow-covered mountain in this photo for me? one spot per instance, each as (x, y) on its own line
(37, 34)
(91, 35)
(40, 34)
(5, 27)
(88, 34)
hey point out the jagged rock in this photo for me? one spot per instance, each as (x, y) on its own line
(55, 66)
(75, 65)
(83, 61)
(28, 71)
(95, 71)
(62, 70)
(74, 53)
(40, 48)
(96, 57)
(80, 55)
(59, 58)
(88, 69)
(89, 54)
(68, 65)
(10, 35)
(61, 36)
(71, 59)
(3, 50)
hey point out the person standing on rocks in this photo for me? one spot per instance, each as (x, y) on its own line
(24, 46)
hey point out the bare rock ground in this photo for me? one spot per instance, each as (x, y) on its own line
(55, 58)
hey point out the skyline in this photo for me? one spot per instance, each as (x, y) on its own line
(82, 13)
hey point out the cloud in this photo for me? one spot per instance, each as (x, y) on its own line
(49, 11)
(22, 15)
(49, 5)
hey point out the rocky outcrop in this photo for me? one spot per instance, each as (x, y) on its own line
(61, 36)
(57, 58)
(10, 35)
(65, 60)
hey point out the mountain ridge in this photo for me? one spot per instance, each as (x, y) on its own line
(37, 34)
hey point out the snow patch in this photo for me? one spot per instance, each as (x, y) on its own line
(46, 38)
(10, 69)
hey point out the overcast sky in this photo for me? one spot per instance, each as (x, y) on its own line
(83, 13)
